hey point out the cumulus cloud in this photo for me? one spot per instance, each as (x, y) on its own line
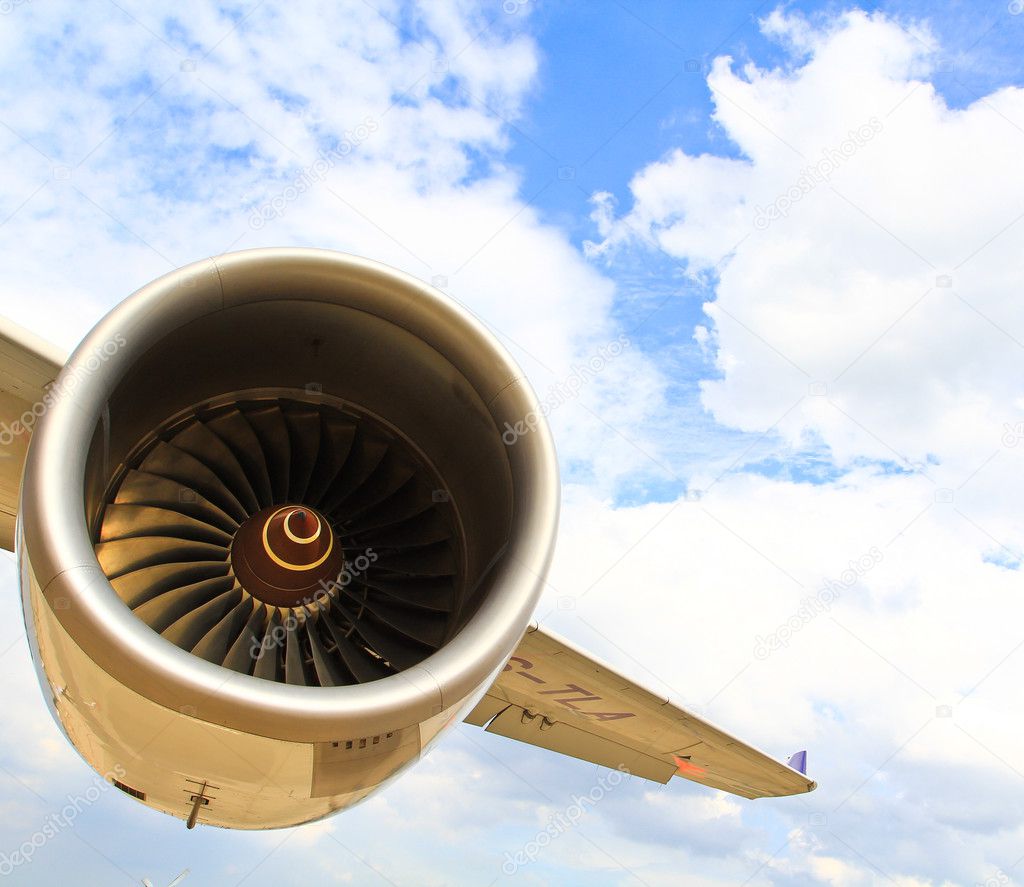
(374, 129)
(863, 243)
(871, 234)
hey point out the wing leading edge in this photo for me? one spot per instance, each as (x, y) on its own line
(28, 365)
(554, 695)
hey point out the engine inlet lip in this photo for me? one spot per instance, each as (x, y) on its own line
(55, 544)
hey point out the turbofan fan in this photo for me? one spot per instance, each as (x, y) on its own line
(292, 540)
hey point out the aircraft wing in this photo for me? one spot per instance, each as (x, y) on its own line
(28, 365)
(554, 695)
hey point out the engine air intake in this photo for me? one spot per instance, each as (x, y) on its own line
(289, 539)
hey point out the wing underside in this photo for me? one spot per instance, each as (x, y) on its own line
(556, 696)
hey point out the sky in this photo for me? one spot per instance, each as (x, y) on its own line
(792, 503)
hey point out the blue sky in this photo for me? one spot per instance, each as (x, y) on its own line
(795, 396)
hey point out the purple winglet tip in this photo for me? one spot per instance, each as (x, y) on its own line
(798, 761)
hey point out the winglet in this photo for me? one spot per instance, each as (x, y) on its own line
(798, 761)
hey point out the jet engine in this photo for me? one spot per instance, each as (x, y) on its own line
(272, 542)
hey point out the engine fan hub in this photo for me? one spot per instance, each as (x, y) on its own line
(287, 555)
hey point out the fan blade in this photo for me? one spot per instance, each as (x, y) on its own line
(336, 439)
(137, 521)
(304, 431)
(401, 653)
(140, 488)
(141, 585)
(327, 671)
(364, 457)
(268, 664)
(363, 666)
(412, 499)
(126, 555)
(234, 429)
(214, 645)
(246, 647)
(387, 479)
(170, 462)
(161, 612)
(425, 528)
(191, 628)
(294, 657)
(430, 560)
(428, 593)
(199, 441)
(426, 626)
(268, 423)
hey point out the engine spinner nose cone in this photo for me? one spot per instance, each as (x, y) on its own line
(286, 555)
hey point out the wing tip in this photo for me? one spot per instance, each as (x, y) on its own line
(798, 761)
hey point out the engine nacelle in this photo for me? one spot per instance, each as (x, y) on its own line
(271, 540)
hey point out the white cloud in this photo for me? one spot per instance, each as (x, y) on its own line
(877, 315)
(849, 287)
(159, 150)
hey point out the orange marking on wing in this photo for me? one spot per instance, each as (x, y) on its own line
(683, 766)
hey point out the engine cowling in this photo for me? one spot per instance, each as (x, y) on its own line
(272, 541)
